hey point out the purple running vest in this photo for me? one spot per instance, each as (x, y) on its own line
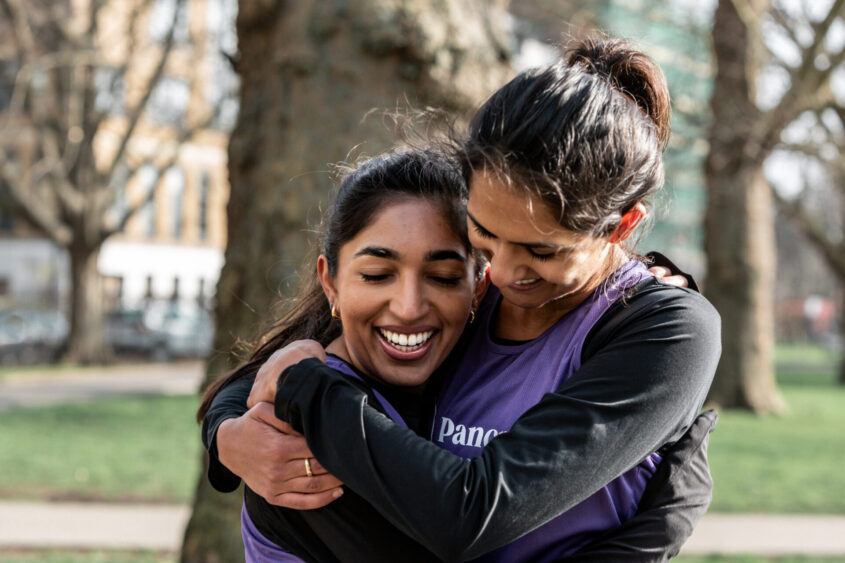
(493, 384)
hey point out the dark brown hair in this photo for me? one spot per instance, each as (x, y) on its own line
(363, 192)
(586, 134)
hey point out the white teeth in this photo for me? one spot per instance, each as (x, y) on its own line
(406, 342)
(526, 282)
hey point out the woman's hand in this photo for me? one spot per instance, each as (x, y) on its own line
(270, 458)
(664, 274)
(264, 388)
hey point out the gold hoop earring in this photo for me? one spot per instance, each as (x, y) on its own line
(471, 316)
(335, 314)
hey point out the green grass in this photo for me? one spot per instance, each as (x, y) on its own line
(148, 449)
(84, 556)
(131, 449)
(757, 559)
(789, 463)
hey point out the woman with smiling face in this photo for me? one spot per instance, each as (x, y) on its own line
(397, 284)
(580, 368)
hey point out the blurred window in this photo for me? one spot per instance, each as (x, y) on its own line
(205, 185)
(8, 73)
(110, 90)
(169, 101)
(222, 46)
(174, 180)
(7, 222)
(162, 17)
(147, 178)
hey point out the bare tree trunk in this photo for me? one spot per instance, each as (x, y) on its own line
(85, 341)
(739, 227)
(310, 72)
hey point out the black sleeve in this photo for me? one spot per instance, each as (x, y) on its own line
(641, 390)
(230, 402)
(675, 499)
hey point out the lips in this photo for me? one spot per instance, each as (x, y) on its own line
(525, 284)
(405, 346)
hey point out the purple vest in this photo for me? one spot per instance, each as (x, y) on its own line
(493, 384)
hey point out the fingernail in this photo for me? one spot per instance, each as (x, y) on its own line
(338, 493)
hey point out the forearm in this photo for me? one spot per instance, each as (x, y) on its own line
(230, 403)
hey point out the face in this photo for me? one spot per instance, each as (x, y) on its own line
(535, 263)
(404, 287)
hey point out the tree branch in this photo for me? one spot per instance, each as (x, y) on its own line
(33, 210)
(833, 254)
(135, 115)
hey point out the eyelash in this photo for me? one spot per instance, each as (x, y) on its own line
(371, 278)
(481, 232)
(541, 257)
(450, 282)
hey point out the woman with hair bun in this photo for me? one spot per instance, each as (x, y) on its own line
(581, 368)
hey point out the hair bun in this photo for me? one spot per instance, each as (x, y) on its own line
(629, 71)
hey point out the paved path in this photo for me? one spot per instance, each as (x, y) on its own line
(61, 386)
(160, 528)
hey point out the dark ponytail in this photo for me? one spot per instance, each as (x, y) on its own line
(630, 72)
(363, 192)
(584, 135)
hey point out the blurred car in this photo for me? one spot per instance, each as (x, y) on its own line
(162, 331)
(31, 336)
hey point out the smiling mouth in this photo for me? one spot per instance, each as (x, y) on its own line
(406, 342)
(526, 282)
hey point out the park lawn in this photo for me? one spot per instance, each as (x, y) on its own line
(148, 448)
(789, 463)
(755, 559)
(144, 448)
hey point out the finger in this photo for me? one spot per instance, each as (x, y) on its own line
(316, 467)
(299, 501)
(680, 281)
(266, 413)
(295, 468)
(311, 485)
(660, 271)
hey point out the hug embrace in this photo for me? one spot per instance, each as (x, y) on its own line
(482, 367)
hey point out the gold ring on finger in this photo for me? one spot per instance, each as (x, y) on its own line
(308, 468)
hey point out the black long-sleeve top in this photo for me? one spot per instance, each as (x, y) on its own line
(646, 368)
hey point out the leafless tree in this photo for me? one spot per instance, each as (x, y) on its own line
(311, 72)
(762, 89)
(82, 76)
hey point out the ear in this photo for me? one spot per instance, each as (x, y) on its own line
(482, 282)
(326, 280)
(628, 223)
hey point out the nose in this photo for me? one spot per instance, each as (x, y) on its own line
(409, 303)
(504, 264)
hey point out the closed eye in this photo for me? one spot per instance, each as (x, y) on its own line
(374, 278)
(448, 281)
(481, 231)
(542, 256)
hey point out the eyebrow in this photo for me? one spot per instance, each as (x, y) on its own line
(390, 254)
(488, 234)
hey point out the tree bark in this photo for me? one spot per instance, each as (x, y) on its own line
(311, 71)
(739, 231)
(85, 339)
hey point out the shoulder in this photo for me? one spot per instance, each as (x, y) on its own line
(654, 309)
